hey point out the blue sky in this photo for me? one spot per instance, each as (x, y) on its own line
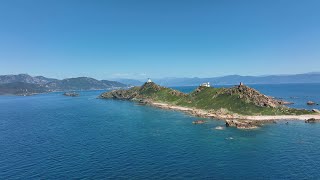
(164, 38)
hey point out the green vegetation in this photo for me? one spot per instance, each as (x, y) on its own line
(239, 99)
(215, 99)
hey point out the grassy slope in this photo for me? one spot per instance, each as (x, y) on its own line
(214, 99)
(165, 95)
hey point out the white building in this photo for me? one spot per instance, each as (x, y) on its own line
(149, 80)
(205, 84)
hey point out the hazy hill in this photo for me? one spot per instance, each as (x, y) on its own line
(82, 83)
(24, 84)
(131, 82)
(25, 78)
(235, 79)
(113, 83)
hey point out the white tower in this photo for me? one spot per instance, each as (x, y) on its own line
(149, 80)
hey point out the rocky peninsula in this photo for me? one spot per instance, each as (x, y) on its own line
(240, 103)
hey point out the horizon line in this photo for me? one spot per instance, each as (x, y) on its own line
(164, 77)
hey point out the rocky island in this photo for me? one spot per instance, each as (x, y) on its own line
(240, 103)
(71, 94)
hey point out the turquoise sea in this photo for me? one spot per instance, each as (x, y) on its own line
(51, 136)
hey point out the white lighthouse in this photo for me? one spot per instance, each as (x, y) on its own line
(205, 84)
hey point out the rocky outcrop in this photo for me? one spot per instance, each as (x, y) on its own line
(312, 120)
(122, 94)
(150, 86)
(310, 103)
(143, 101)
(177, 93)
(316, 110)
(246, 124)
(251, 95)
(240, 124)
(285, 102)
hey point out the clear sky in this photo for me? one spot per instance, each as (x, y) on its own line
(164, 38)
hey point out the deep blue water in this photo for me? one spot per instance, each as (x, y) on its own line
(51, 136)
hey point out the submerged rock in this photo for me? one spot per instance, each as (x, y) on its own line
(198, 122)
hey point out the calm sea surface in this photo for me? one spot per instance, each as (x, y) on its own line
(51, 136)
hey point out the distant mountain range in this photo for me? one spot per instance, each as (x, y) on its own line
(24, 84)
(131, 82)
(233, 79)
(25, 78)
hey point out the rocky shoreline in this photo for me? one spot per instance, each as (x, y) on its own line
(222, 116)
(236, 120)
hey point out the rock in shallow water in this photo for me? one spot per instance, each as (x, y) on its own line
(312, 120)
(310, 103)
(72, 94)
(198, 122)
(247, 124)
(240, 124)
